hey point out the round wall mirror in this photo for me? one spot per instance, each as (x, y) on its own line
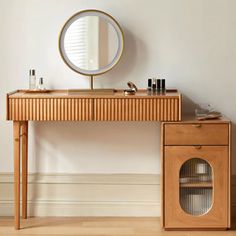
(91, 42)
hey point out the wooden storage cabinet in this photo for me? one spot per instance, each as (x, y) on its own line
(196, 175)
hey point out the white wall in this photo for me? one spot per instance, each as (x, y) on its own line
(191, 43)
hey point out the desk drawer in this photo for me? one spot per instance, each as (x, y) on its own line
(196, 134)
(137, 109)
(50, 109)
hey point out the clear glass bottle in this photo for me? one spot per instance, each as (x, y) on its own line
(41, 84)
(32, 80)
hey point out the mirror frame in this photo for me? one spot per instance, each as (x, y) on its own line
(120, 35)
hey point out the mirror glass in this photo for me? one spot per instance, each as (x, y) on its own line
(91, 42)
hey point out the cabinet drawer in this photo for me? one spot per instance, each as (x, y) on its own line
(196, 134)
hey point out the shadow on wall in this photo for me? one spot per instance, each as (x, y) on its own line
(189, 106)
(96, 146)
(189, 109)
(39, 151)
(93, 147)
(233, 147)
(130, 59)
(233, 155)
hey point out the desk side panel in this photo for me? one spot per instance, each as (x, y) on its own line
(50, 109)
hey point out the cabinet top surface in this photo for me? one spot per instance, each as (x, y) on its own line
(88, 94)
(191, 119)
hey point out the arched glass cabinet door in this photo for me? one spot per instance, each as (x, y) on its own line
(196, 187)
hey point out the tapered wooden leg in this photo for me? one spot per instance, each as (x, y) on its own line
(24, 168)
(16, 134)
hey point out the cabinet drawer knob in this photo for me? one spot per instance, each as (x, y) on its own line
(198, 147)
(198, 126)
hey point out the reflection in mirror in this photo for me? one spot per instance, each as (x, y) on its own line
(91, 43)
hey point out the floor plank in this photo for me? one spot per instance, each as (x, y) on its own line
(99, 226)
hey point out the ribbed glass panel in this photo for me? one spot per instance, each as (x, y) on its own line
(196, 186)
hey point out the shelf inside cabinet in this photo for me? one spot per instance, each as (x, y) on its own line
(197, 185)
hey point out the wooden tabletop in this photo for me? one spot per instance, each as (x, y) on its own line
(88, 94)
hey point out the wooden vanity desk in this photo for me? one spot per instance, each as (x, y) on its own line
(64, 105)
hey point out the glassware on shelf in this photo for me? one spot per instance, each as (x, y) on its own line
(196, 201)
(195, 179)
(196, 186)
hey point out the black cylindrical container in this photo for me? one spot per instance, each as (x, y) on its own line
(149, 88)
(158, 85)
(154, 85)
(149, 83)
(163, 85)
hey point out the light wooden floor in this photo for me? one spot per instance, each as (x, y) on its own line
(102, 226)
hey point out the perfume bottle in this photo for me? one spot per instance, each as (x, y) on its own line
(32, 80)
(41, 84)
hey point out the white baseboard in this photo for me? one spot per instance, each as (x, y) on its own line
(89, 195)
(86, 195)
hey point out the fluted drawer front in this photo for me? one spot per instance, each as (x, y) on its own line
(137, 109)
(51, 109)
